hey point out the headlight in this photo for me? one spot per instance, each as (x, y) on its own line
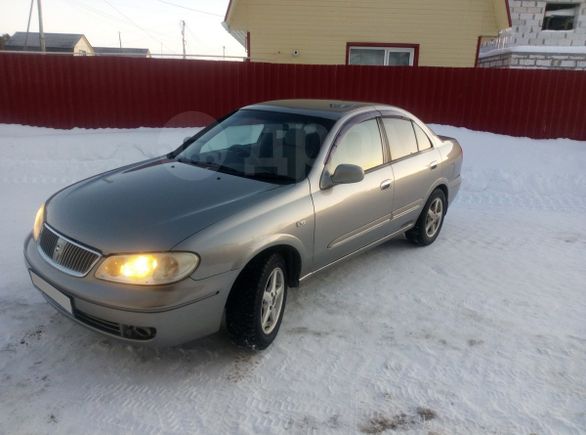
(148, 269)
(39, 219)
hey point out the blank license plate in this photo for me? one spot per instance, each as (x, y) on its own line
(61, 299)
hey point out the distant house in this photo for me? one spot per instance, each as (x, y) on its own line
(377, 32)
(117, 51)
(544, 34)
(73, 43)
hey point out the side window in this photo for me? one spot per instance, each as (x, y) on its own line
(401, 137)
(361, 145)
(422, 139)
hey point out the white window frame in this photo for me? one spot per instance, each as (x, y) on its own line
(387, 50)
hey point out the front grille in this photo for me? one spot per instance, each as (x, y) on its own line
(65, 254)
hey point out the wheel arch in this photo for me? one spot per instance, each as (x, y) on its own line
(292, 259)
(444, 188)
(441, 184)
(290, 254)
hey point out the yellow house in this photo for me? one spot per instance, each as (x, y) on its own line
(373, 32)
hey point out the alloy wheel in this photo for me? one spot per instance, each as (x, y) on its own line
(435, 214)
(272, 300)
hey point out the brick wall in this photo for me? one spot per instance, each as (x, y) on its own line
(519, 59)
(527, 22)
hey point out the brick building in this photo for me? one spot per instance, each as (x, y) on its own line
(544, 34)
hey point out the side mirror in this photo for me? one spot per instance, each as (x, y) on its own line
(344, 174)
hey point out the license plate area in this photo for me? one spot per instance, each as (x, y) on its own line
(58, 297)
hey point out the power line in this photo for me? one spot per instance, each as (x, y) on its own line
(134, 24)
(112, 19)
(97, 11)
(116, 18)
(195, 37)
(191, 9)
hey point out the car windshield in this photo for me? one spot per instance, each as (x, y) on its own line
(270, 146)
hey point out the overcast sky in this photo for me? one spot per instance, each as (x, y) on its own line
(143, 23)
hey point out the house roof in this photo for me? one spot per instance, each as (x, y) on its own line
(228, 10)
(239, 35)
(53, 41)
(117, 51)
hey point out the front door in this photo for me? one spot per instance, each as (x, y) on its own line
(351, 216)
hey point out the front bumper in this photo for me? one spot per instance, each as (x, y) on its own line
(159, 316)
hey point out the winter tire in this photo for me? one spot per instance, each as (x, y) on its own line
(430, 220)
(257, 302)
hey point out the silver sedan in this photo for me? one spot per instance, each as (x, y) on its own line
(160, 252)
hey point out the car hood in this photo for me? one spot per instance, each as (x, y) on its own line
(150, 206)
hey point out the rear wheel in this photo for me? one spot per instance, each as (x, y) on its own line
(430, 220)
(257, 302)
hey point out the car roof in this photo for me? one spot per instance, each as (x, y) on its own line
(330, 109)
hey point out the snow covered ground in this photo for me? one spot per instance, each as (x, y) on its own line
(484, 332)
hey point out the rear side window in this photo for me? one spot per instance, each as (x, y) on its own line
(361, 145)
(401, 137)
(422, 139)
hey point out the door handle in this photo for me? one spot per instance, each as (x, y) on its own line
(433, 164)
(386, 184)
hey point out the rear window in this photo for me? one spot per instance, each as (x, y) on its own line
(401, 137)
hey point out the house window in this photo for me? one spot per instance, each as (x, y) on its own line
(560, 16)
(381, 54)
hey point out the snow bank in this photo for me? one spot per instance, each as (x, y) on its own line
(482, 332)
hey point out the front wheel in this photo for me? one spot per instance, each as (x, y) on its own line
(257, 302)
(430, 220)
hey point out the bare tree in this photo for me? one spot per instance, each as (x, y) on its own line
(3, 40)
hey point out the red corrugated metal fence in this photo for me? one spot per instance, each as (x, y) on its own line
(66, 91)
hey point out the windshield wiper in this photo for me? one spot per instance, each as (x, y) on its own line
(210, 165)
(262, 175)
(271, 176)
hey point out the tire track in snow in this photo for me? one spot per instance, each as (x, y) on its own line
(485, 327)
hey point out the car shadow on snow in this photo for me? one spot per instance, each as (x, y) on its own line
(216, 356)
(219, 349)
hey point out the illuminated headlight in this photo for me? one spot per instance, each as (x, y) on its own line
(148, 269)
(39, 219)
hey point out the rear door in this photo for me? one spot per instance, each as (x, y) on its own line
(351, 216)
(415, 167)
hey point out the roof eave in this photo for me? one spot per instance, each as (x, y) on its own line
(238, 35)
(229, 10)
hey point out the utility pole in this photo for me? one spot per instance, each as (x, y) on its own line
(182, 36)
(41, 33)
(28, 26)
(224, 51)
(120, 38)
